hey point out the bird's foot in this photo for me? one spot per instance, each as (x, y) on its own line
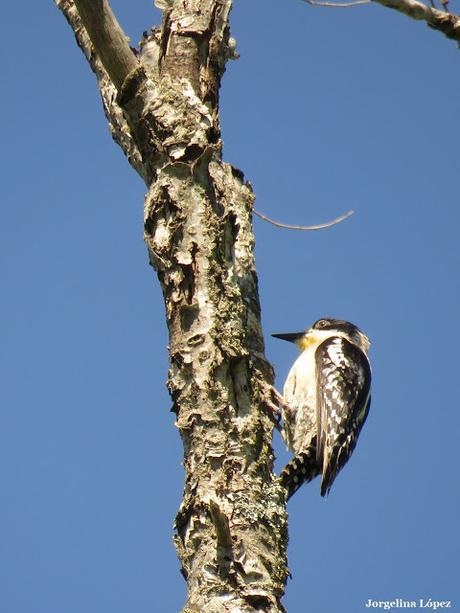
(272, 400)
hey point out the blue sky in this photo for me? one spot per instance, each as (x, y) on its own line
(326, 110)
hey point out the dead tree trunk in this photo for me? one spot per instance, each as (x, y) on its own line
(163, 109)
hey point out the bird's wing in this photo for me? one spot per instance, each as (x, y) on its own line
(343, 398)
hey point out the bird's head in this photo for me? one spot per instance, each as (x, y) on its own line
(323, 329)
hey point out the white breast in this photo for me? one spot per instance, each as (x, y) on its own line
(300, 394)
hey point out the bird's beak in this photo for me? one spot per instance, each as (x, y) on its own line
(292, 337)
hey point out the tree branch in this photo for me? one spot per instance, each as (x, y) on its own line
(119, 128)
(109, 40)
(447, 23)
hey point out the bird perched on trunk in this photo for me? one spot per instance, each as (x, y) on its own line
(326, 401)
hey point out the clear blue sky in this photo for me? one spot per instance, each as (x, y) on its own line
(325, 111)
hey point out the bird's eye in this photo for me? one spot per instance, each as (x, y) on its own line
(322, 323)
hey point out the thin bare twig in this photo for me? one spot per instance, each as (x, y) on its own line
(320, 226)
(445, 5)
(337, 4)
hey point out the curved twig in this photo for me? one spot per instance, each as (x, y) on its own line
(337, 4)
(320, 226)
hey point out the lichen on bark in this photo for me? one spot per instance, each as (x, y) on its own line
(201, 243)
(231, 528)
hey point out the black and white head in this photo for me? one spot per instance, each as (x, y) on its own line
(326, 328)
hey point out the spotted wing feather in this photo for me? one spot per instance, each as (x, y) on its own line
(343, 399)
(301, 469)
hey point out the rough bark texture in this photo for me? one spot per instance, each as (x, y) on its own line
(162, 107)
(231, 529)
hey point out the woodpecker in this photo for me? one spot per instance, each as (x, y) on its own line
(326, 400)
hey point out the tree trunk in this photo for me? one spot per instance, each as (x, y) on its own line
(231, 528)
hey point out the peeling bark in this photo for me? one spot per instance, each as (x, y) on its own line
(231, 528)
(162, 105)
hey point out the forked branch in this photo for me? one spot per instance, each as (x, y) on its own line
(198, 230)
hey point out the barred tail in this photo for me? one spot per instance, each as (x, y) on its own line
(301, 469)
